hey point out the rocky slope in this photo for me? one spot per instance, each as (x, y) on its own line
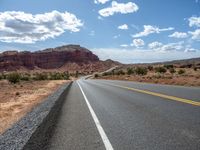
(70, 58)
(52, 58)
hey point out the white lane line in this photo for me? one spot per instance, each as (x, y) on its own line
(103, 135)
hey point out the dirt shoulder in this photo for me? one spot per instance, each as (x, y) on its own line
(16, 100)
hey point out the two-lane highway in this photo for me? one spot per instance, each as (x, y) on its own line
(104, 114)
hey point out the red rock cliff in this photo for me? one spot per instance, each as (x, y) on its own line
(46, 59)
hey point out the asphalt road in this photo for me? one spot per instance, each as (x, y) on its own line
(102, 114)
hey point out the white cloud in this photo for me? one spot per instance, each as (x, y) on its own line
(20, 27)
(123, 27)
(154, 45)
(92, 33)
(157, 46)
(195, 34)
(100, 1)
(123, 8)
(138, 42)
(141, 55)
(188, 50)
(179, 35)
(194, 21)
(124, 45)
(148, 29)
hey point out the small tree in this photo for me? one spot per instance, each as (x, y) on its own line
(160, 69)
(150, 68)
(77, 74)
(181, 71)
(96, 75)
(169, 66)
(130, 71)
(141, 71)
(172, 70)
(14, 77)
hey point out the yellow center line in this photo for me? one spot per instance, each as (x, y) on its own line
(162, 95)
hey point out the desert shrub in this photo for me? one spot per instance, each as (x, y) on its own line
(195, 68)
(181, 71)
(1, 77)
(120, 72)
(150, 68)
(76, 74)
(141, 71)
(14, 77)
(40, 76)
(66, 76)
(96, 75)
(56, 76)
(169, 66)
(25, 77)
(160, 69)
(130, 71)
(172, 70)
(106, 73)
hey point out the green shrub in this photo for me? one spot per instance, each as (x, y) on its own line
(14, 77)
(96, 75)
(77, 74)
(120, 72)
(141, 71)
(160, 69)
(169, 66)
(25, 78)
(150, 68)
(181, 71)
(195, 68)
(130, 71)
(172, 70)
(40, 76)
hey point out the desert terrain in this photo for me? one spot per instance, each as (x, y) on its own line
(18, 99)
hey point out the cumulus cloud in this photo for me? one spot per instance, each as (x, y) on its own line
(194, 21)
(137, 43)
(100, 1)
(157, 46)
(195, 34)
(123, 27)
(179, 35)
(21, 27)
(148, 29)
(123, 8)
(154, 45)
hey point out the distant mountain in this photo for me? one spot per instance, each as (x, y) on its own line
(64, 58)
(184, 61)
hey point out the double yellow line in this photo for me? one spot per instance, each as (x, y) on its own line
(161, 95)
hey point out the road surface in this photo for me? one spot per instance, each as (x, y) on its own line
(120, 115)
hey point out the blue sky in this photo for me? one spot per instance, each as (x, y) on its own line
(129, 31)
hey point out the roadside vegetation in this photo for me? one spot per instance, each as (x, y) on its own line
(16, 77)
(165, 74)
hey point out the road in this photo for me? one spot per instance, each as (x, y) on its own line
(120, 115)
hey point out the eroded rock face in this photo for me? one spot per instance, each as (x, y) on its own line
(46, 59)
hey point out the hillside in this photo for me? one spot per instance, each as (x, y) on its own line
(65, 58)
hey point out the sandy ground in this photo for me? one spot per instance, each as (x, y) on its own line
(17, 100)
(190, 78)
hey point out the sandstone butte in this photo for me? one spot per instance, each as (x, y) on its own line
(51, 58)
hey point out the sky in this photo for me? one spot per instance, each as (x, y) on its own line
(128, 31)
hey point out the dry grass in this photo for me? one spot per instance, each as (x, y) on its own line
(17, 100)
